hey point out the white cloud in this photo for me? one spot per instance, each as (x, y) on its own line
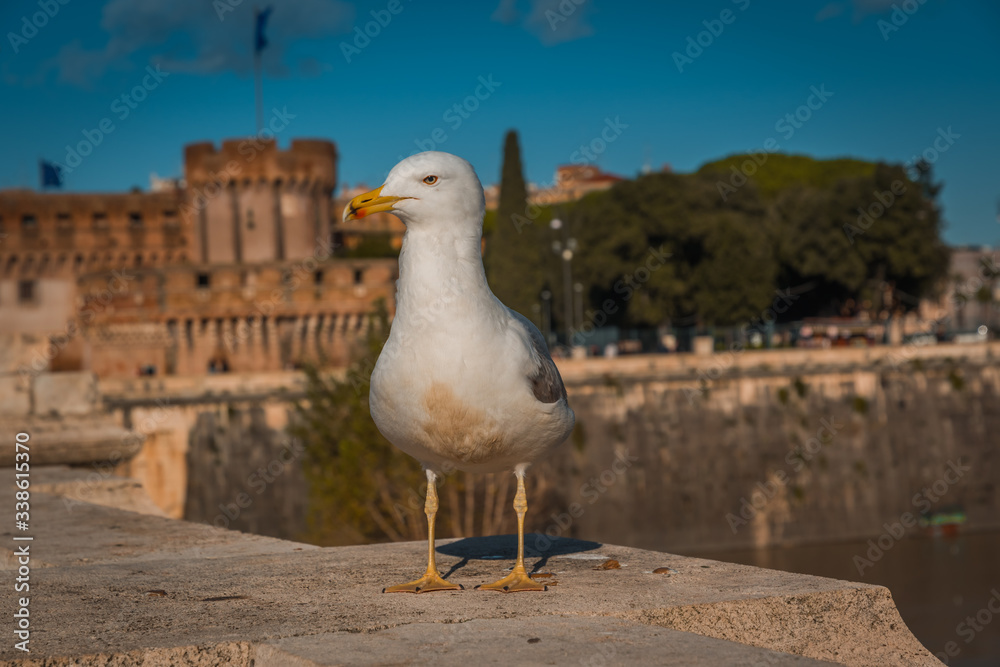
(199, 36)
(551, 21)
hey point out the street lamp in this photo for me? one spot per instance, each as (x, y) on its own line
(578, 292)
(565, 249)
(547, 315)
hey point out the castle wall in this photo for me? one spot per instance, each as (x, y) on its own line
(220, 229)
(248, 318)
(53, 304)
(258, 203)
(260, 224)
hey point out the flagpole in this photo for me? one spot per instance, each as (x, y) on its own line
(258, 83)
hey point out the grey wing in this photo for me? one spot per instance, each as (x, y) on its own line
(546, 383)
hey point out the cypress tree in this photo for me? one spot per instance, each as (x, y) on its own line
(513, 259)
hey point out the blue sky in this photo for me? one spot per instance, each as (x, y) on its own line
(558, 73)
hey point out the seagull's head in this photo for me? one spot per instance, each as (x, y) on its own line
(426, 190)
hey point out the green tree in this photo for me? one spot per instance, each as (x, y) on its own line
(772, 173)
(517, 256)
(720, 268)
(860, 238)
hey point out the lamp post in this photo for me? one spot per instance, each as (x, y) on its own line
(578, 293)
(565, 248)
(547, 315)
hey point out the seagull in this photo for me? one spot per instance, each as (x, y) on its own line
(463, 382)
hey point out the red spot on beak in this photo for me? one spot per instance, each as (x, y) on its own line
(360, 213)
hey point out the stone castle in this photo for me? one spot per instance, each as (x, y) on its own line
(242, 266)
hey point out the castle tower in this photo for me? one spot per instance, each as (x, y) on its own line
(250, 202)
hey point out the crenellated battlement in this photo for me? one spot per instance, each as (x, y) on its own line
(254, 161)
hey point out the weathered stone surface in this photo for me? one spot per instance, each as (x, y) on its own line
(121, 588)
(546, 640)
(15, 399)
(71, 441)
(65, 394)
(94, 485)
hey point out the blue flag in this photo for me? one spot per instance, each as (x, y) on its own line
(51, 174)
(260, 41)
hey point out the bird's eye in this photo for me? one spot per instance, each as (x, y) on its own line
(430, 180)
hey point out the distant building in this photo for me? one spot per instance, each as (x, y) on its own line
(571, 183)
(235, 268)
(971, 293)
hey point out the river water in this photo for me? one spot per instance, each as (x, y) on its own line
(943, 586)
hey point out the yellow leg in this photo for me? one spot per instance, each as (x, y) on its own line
(431, 581)
(518, 579)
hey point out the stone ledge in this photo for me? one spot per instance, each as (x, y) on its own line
(121, 588)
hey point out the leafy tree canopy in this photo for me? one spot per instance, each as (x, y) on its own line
(670, 247)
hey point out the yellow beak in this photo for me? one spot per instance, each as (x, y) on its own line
(370, 202)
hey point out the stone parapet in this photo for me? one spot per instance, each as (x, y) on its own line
(123, 588)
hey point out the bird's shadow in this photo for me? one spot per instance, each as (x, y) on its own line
(504, 547)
